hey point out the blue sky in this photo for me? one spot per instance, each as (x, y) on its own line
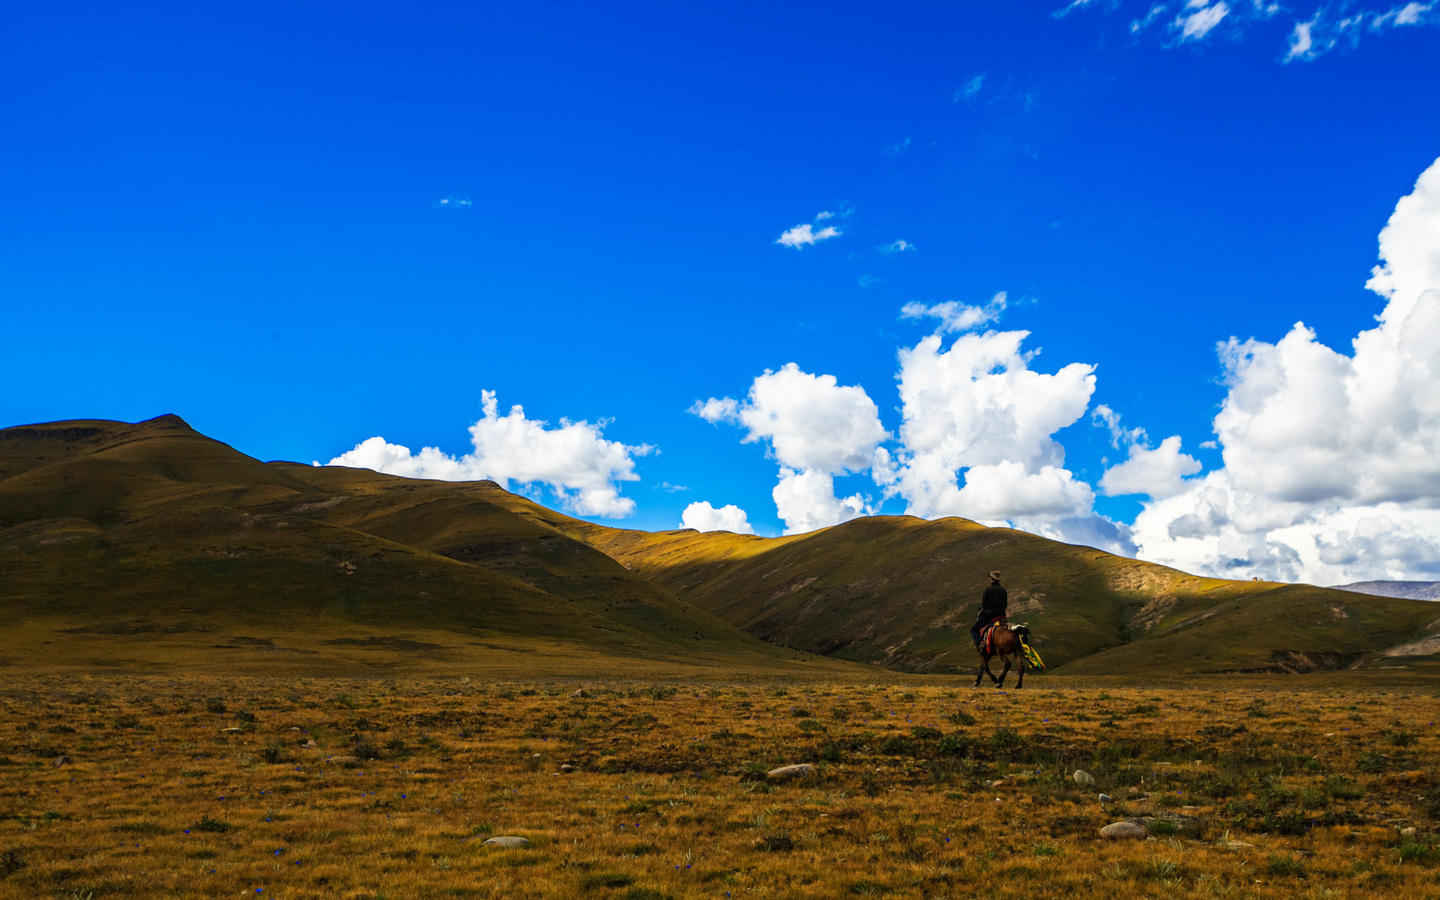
(304, 227)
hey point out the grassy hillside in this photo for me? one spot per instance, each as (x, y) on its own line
(902, 592)
(153, 544)
(144, 541)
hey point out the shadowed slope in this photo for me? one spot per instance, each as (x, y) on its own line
(902, 592)
(153, 529)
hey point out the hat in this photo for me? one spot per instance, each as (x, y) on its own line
(995, 576)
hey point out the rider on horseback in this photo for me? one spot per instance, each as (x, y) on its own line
(992, 607)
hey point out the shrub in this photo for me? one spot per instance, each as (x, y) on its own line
(214, 825)
(961, 717)
(1278, 866)
(215, 705)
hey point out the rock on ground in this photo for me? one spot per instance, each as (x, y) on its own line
(786, 773)
(1083, 777)
(507, 840)
(1118, 831)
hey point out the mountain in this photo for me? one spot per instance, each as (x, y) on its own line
(153, 532)
(149, 544)
(1413, 590)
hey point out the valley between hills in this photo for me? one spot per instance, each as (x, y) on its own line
(150, 547)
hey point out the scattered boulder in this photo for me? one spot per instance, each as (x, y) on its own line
(1106, 798)
(791, 773)
(1119, 831)
(567, 767)
(1083, 778)
(507, 841)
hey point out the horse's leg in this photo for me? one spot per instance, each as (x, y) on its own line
(985, 666)
(980, 669)
(1003, 672)
(1020, 667)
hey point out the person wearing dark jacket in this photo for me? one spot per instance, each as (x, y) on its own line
(992, 606)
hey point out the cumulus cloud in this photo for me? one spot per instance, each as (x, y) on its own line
(955, 316)
(806, 235)
(1324, 449)
(701, 516)
(977, 405)
(1158, 472)
(815, 428)
(805, 501)
(574, 460)
(716, 409)
(812, 421)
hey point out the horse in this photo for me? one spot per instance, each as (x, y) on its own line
(1005, 641)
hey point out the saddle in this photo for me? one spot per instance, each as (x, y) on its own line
(987, 635)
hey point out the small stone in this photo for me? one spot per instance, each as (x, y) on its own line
(1235, 845)
(1408, 832)
(579, 692)
(345, 760)
(1106, 798)
(234, 729)
(787, 773)
(310, 744)
(1083, 777)
(1117, 831)
(63, 760)
(566, 767)
(997, 782)
(508, 841)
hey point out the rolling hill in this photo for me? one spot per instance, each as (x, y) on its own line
(149, 544)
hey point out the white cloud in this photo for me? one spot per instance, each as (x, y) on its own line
(1138, 25)
(955, 316)
(1070, 7)
(805, 235)
(574, 460)
(1105, 417)
(824, 214)
(701, 516)
(816, 428)
(1197, 24)
(1302, 42)
(901, 246)
(716, 409)
(806, 500)
(979, 406)
(1159, 472)
(1326, 450)
(811, 421)
(1409, 14)
(970, 89)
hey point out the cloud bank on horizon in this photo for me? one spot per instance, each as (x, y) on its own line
(1331, 461)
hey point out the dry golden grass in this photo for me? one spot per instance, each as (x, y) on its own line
(294, 787)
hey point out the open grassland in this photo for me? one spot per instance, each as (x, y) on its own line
(204, 786)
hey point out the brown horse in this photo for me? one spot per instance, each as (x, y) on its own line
(1005, 643)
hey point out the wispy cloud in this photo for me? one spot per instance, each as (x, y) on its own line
(1191, 22)
(454, 201)
(1195, 25)
(900, 246)
(970, 89)
(1070, 7)
(955, 316)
